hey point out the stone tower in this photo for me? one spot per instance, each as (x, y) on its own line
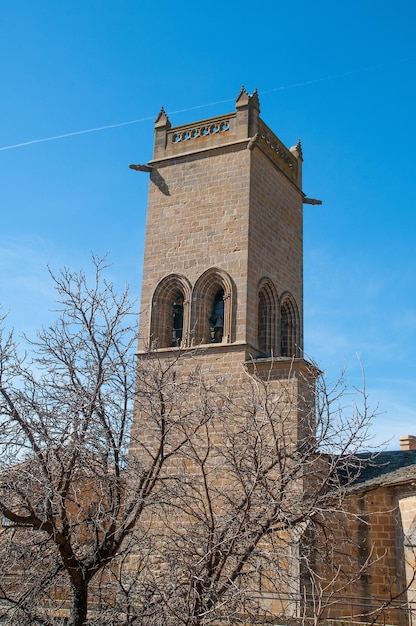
(223, 252)
(222, 284)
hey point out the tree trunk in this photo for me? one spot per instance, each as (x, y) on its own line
(79, 603)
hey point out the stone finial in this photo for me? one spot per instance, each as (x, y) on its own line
(248, 109)
(162, 125)
(297, 150)
(242, 98)
(162, 120)
(298, 154)
(254, 100)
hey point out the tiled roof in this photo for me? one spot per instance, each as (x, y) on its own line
(387, 468)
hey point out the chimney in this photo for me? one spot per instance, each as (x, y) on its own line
(408, 442)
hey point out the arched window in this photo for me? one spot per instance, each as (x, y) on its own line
(212, 304)
(289, 327)
(170, 312)
(266, 318)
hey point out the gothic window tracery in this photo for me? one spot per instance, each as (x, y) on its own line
(170, 312)
(266, 318)
(212, 308)
(289, 327)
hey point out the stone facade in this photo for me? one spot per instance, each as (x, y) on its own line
(223, 281)
(223, 273)
(376, 532)
(224, 221)
(385, 500)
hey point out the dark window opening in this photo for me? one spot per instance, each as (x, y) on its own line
(285, 339)
(263, 323)
(217, 318)
(288, 330)
(177, 323)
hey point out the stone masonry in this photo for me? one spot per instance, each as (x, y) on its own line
(225, 212)
(223, 280)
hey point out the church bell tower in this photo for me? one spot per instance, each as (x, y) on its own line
(223, 284)
(223, 251)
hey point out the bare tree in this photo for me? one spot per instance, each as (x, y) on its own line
(260, 503)
(219, 501)
(67, 501)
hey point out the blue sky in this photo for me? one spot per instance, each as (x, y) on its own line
(340, 76)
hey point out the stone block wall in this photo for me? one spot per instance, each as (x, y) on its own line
(200, 222)
(275, 237)
(225, 193)
(367, 547)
